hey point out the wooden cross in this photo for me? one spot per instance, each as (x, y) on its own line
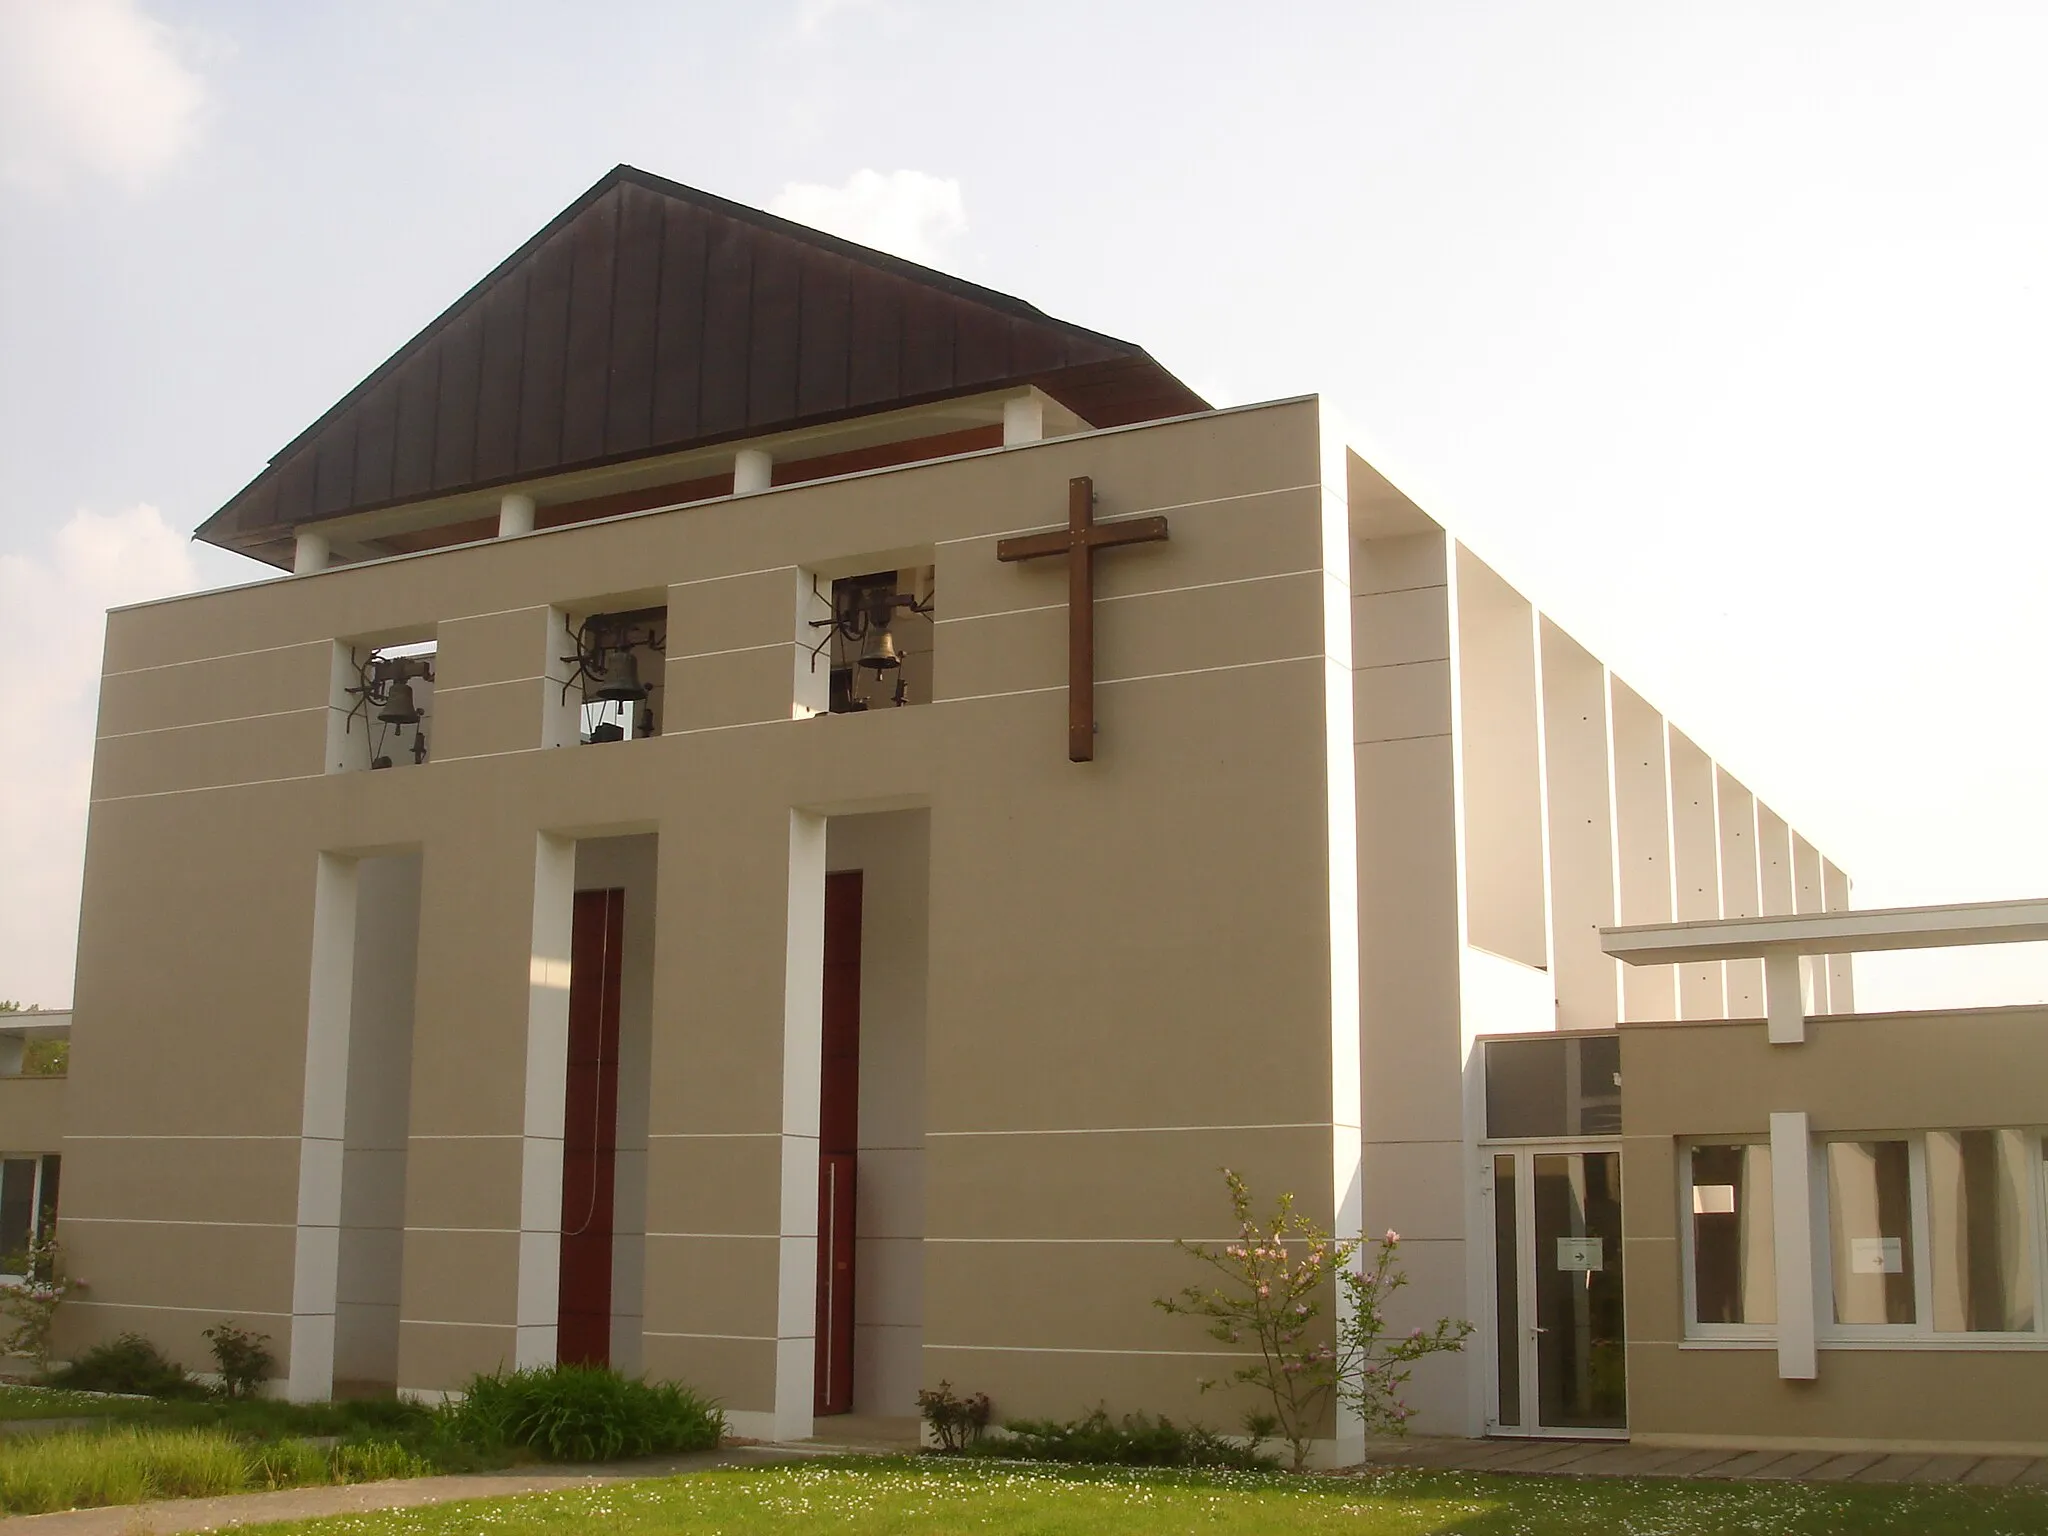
(1078, 542)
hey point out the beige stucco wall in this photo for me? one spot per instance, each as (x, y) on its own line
(1130, 961)
(1880, 1073)
(32, 1113)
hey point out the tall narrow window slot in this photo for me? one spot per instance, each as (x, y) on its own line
(590, 1124)
(838, 1143)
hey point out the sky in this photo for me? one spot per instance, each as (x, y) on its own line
(1722, 331)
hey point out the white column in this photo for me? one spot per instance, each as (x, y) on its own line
(316, 1256)
(1784, 997)
(1023, 420)
(752, 470)
(803, 1024)
(515, 514)
(1792, 1238)
(309, 552)
(547, 1071)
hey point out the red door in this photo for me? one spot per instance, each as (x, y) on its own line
(838, 1143)
(590, 1130)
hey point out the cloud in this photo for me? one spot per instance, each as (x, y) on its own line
(94, 87)
(907, 213)
(813, 16)
(55, 601)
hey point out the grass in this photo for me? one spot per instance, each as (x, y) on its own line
(18, 1402)
(898, 1497)
(128, 1465)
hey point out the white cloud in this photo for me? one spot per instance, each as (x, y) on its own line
(812, 16)
(907, 213)
(56, 604)
(92, 86)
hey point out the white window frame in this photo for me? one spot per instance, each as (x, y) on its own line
(1921, 1332)
(1695, 1330)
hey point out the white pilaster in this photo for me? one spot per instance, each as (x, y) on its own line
(1023, 419)
(515, 514)
(752, 470)
(1792, 1238)
(803, 1023)
(316, 1256)
(547, 1068)
(309, 552)
(1784, 998)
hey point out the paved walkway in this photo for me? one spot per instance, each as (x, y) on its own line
(1612, 1458)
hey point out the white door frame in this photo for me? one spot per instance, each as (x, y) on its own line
(1525, 1153)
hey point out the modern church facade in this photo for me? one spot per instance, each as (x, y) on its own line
(792, 812)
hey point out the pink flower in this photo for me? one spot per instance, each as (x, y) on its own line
(1393, 1236)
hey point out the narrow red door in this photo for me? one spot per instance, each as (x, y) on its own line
(838, 1143)
(590, 1130)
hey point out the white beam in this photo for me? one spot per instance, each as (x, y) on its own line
(1959, 925)
(1792, 1240)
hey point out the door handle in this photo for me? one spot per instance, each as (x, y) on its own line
(1539, 1330)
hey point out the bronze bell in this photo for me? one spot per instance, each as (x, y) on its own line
(880, 653)
(620, 683)
(401, 707)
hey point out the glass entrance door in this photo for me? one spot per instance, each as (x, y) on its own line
(1557, 1335)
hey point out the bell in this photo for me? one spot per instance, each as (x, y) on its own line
(403, 708)
(880, 653)
(620, 683)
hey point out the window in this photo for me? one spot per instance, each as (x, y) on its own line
(1870, 1232)
(28, 1208)
(1732, 1256)
(1981, 1231)
(1936, 1234)
(1556, 1085)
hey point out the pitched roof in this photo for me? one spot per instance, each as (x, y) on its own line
(649, 317)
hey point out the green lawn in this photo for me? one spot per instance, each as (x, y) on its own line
(901, 1497)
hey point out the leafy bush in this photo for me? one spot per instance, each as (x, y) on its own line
(126, 1363)
(1136, 1440)
(243, 1357)
(957, 1422)
(584, 1413)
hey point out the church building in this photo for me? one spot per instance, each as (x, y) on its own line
(785, 814)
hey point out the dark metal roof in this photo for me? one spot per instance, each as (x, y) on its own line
(649, 317)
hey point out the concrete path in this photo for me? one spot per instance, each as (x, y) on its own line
(1617, 1458)
(178, 1515)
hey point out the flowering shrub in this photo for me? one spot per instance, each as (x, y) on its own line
(1277, 1275)
(957, 1422)
(28, 1310)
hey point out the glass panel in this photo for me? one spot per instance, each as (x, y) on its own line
(1734, 1275)
(17, 1209)
(46, 1199)
(1980, 1231)
(1579, 1341)
(1507, 1335)
(1870, 1231)
(1554, 1086)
